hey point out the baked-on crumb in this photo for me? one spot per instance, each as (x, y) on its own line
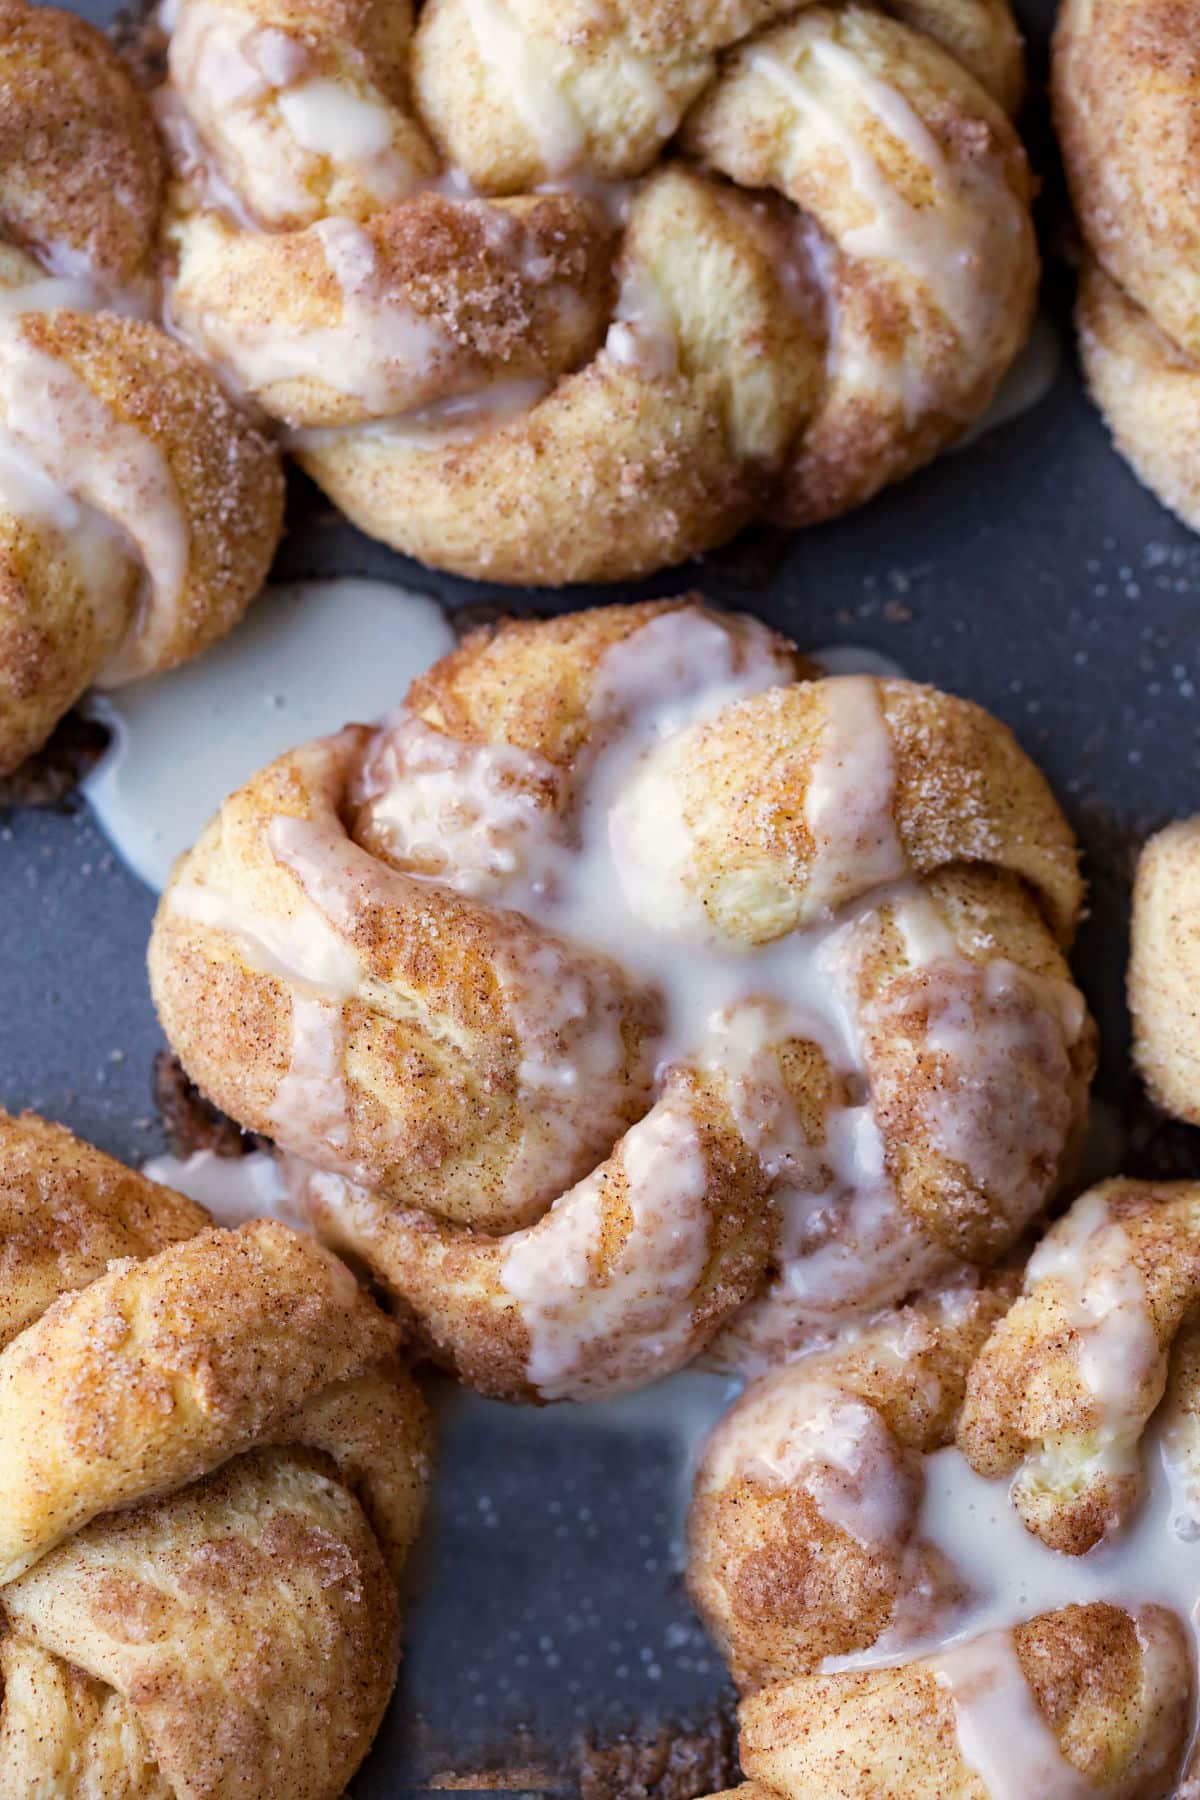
(51, 776)
(672, 1763)
(192, 1123)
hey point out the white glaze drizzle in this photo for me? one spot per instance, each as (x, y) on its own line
(456, 420)
(69, 462)
(374, 353)
(1002, 1734)
(796, 1430)
(848, 804)
(928, 242)
(232, 1188)
(643, 333)
(638, 1317)
(252, 100)
(307, 657)
(621, 891)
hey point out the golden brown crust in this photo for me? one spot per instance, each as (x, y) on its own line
(1126, 89)
(964, 792)
(1033, 1405)
(454, 1280)
(226, 474)
(154, 566)
(66, 1212)
(149, 507)
(1111, 1687)
(250, 1623)
(914, 358)
(482, 284)
(163, 1368)
(784, 340)
(402, 1013)
(778, 1577)
(1164, 969)
(81, 170)
(213, 1466)
(1147, 387)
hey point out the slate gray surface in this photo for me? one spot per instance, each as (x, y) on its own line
(1030, 572)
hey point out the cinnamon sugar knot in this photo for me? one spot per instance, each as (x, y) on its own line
(889, 1538)
(139, 508)
(547, 293)
(213, 1467)
(624, 995)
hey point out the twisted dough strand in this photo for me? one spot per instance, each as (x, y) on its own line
(213, 1463)
(818, 226)
(139, 508)
(822, 1556)
(628, 996)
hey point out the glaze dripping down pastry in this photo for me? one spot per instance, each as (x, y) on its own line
(630, 994)
(550, 293)
(956, 1553)
(139, 507)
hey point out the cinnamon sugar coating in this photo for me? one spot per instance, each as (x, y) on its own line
(818, 1546)
(1164, 969)
(793, 259)
(529, 988)
(140, 508)
(214, 1465)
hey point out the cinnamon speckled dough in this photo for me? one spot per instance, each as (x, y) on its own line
(65, 619)
(395, 1017)
(1127, 105)
(805, 1535)
(123, 451)
(1032, 1114)
(81, 169)
(1111, 1686)
(820, 299)
(1031, 1410)
(779, 1584)
(66, 1212)
(1164, 969)
(213, 1466)
(484, 284)
(964, 792)
(1148, 388)
(436, 1117)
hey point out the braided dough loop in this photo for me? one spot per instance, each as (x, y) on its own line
(1108, 1686)
(673, 423)
(811, 1540)
(261, 83)
(1062, 1394)
(1146, 386)
(139, 509)
(213, 1465)
(920, 195)
(392, 923)
(1127, 107)
(519, 94)
(339, 324)
(788, 351)
(773, 1570)
(145, 513)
